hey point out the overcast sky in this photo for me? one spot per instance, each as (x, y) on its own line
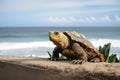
(59, 12)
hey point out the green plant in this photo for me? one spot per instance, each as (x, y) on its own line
(50, 56)
(112, 58)
(105, 50)
(61, 57)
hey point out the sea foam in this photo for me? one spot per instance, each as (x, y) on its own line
(49, 44)
(101, 42)
(22, 45)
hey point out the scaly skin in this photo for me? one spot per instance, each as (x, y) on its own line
(71, 49)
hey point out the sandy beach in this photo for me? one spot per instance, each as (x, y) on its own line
(35, 68)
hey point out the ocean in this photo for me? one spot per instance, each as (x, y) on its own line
(34, 41)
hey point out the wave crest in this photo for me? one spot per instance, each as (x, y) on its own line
(101, 42)
(22, 45)
(49, 44)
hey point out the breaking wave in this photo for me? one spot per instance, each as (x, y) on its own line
(101, 42)
(22, 45)
(48, 44)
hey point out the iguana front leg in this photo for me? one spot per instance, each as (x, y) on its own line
(80, 53)
(55, 55)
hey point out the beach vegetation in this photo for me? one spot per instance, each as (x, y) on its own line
(105, 50)
(62, 57)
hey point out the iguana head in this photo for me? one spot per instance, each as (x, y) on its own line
(59, 39)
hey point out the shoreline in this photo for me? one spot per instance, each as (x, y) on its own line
(35, 68)
(40, 48)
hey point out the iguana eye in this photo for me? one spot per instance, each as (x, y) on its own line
(56, 33)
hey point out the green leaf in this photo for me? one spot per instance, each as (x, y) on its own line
(63, 57)
(100, 49)
(112, 58)
(49, 54)
(105, 50)
(107, 59)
